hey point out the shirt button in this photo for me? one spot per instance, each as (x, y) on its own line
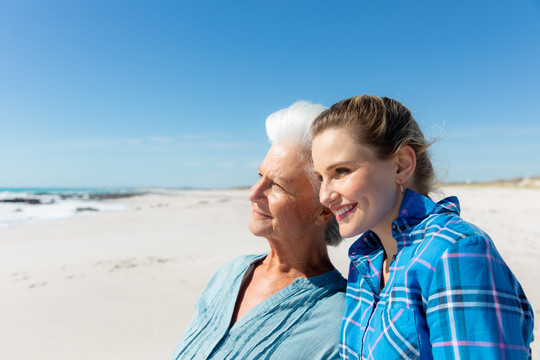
(394, 227)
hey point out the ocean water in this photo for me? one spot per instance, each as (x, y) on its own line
(20, 206)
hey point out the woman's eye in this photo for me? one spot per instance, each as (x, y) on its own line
(342, 171)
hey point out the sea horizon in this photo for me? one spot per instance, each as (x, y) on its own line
(517, 180)
(23, 205)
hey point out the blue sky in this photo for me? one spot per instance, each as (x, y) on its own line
(175, 93)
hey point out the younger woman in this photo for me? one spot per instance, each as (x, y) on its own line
(423, 283)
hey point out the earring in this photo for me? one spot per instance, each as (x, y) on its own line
(402, 190)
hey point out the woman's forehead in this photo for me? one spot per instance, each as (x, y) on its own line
(283, 162)
(335, 146)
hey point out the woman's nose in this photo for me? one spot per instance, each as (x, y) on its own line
(256, 193)
(326, 194)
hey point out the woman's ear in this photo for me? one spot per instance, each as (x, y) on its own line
(324, 216)
(406, 163)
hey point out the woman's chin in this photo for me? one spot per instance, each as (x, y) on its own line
(257, 229)
(348, 231)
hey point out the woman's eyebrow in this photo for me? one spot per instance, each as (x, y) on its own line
(338, 164)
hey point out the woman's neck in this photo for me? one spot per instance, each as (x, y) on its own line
(283, 264)
(384, 233)
(384, 230)
(294, 260)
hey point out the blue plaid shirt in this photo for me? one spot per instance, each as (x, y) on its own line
(449, 295)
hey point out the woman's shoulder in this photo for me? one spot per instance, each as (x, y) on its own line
(242, 261)
(443, 236)
(446, 229)
(236, 266)
(231, 272)
(457, 249)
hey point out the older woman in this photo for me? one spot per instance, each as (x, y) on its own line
(288, 303)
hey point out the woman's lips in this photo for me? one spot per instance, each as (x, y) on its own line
(344, 211)
(259, 214)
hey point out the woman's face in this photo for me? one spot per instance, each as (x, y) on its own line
(359, 188)
(283, 202)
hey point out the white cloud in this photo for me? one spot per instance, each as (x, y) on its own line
(231, 145)
(199, 137)
(161, 139)
(492, 131)
(226, 164)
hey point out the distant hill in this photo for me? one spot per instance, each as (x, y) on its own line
(520, 181)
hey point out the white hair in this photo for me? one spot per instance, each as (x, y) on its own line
(292, 124)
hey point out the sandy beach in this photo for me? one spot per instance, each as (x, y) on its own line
(121, 285)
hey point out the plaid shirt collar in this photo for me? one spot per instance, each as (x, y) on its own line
(414, 208)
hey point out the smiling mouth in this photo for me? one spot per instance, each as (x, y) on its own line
(258, 214)
(344, 211)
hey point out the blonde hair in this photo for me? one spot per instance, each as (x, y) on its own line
(384, 125)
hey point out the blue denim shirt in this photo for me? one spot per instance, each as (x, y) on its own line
(449, 295)
(301, 321)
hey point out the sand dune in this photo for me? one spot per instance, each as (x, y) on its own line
(122, 285)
